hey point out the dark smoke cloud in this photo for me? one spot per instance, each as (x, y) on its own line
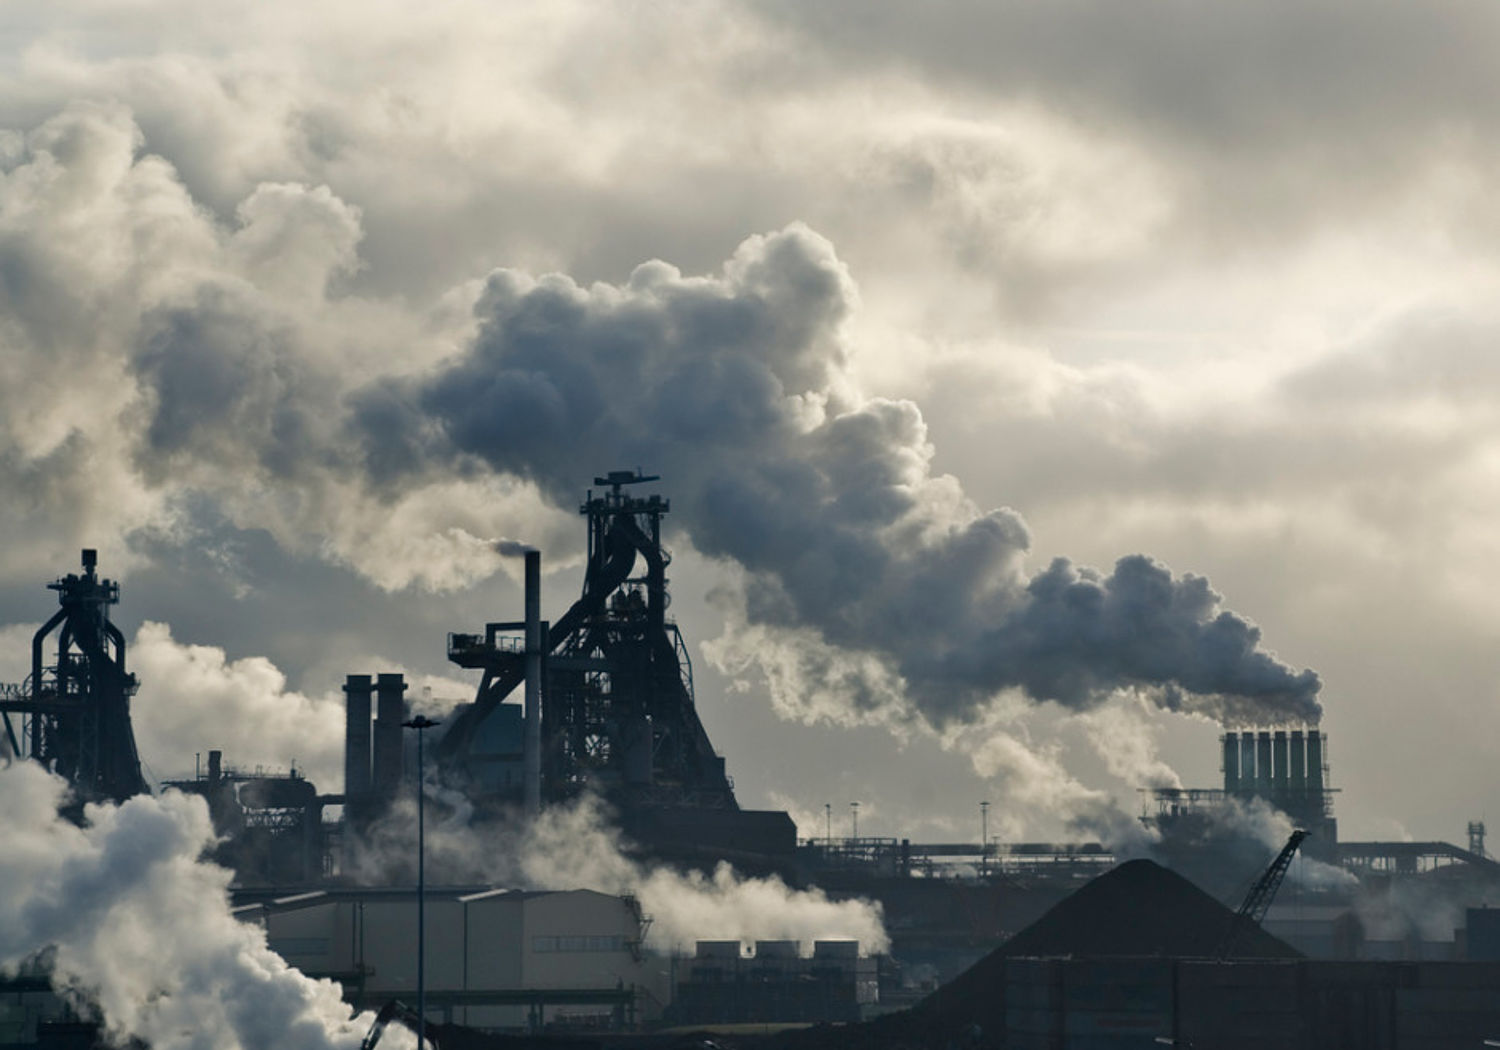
(239, 379)
(733, 389)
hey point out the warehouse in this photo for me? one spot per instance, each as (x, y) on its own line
(496, 958)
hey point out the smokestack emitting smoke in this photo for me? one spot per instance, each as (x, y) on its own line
(531, 766)
(865, 581)
(577, 847)
(135, 925)
(854, 554)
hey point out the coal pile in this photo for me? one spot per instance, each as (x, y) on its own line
(1137, 910)
(1141, 908)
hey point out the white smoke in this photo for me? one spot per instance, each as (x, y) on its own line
(133, 924)
(864, 585)
(1122, 736)
(865, 580)
(575, 847)
(194, 698)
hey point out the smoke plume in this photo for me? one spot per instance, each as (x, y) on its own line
(735, 389)
(577, 847)
(228, 370)
(132, 924)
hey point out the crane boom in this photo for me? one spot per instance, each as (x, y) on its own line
(394, 1010)
(1258, 901)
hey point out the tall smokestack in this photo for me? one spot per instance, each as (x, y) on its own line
(1314, 762)
(1280, 776)
(1247, 763)
(1263, 763)
(532, 748)
(356, 737)
(390, 712)
(1231, 763)
(1297, 784)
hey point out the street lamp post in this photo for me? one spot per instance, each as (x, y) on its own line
(421, 723)
(984, 838)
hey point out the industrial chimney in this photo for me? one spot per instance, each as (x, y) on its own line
(1231, 763)
(390, 712)
(1280, 775)
(1314, 763)
(357, 690)
(531, 766)
(1247, 763)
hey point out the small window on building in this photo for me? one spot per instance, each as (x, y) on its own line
(579, 943)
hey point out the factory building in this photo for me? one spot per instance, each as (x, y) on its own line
(776, 984)
(495, 958)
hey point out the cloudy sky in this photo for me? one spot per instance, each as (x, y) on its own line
(1035, 384)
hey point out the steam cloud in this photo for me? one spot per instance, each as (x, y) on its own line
(132, 923)
(735, 389)
(228, 370)
(576, 847)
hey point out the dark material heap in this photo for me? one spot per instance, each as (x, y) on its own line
(1141, 908)
(1137, 910)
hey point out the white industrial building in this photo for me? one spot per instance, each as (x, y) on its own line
(495, 958)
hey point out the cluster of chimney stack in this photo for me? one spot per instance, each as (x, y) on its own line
(377, 781)
(1274, 764)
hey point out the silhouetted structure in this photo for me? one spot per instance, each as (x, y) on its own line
(618, 714)
(75, 710)
(271, 825)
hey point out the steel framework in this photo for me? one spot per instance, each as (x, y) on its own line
(74, 712)
(618, 712)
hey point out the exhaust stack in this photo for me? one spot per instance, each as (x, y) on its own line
(1263, 763)
(1247, 762)
(532, 746)
(390, 712)
(357, 690)
(1280, 775)
(1231, 763)
(1314, 762)
(1298, 782)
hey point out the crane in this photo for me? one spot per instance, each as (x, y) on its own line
(394, 1010)
(1258, 901)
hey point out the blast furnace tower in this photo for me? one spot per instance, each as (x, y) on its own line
(74, 710)
(619, 715)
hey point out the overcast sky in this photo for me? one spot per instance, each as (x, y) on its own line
(303, 306)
